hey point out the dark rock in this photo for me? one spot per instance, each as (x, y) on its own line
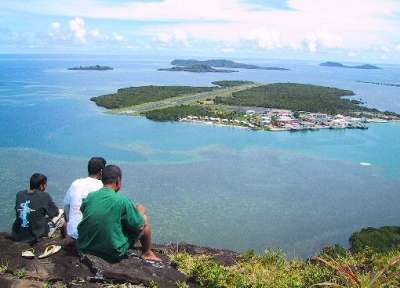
(88, 271)
(134, 270)
(63, 266)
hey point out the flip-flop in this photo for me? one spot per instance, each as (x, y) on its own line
(29, 254)
(50, 250)
(155, 264)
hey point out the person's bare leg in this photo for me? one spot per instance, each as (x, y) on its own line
(145, 240)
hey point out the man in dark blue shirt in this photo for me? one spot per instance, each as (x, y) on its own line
(34, 210)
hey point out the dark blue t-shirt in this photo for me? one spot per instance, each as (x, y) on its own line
(33, 211)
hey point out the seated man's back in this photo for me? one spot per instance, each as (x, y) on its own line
(34, 209)
(79, 190)
(109, 226)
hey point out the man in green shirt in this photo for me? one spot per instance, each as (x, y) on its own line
(111, 223)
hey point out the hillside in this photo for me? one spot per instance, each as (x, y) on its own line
(186, 265)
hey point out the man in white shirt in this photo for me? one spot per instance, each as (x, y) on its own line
(79, 190)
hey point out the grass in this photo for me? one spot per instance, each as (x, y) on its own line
(273, 269)
(386, 276)
(20, 273)
(3, 267)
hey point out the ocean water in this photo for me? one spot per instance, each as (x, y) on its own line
(222, 187)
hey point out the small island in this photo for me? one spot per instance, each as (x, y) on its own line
(379, 83)
(92, 68)
(245, 104)
(222, 63)
(197, 68)
(340, 65)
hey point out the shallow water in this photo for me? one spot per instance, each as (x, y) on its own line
(222, 187)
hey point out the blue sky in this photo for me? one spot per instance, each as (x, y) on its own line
(347, 30)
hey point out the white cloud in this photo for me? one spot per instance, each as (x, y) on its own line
(77, 27)
(228, 50)
(95, 33)
(164, 38)
(181, 37)
(385, 49)
(54, 31)
(177, 37)
(266, 39)
(119, 37)
(55, 25)
(312, 25)
(312, 42)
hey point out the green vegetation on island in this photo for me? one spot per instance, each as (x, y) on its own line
(176, 113)
(197, 68)
(296, 97)
(335, 266)
(232, 83)
(222, 63)
(92, 68)
(340, 65)
(131, 96)
(235, 103)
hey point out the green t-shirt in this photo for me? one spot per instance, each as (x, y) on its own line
(109, 224)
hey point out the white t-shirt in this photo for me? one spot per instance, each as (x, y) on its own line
(78, 190)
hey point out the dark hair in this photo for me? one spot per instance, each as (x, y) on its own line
(37, 179)
(111, 174)
(95, 165)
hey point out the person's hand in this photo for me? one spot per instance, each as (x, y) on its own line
(141, 209)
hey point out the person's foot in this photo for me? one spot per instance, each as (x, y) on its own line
(150, 256)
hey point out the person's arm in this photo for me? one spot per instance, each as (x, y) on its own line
(52, 209)
(16, 206)
(75, 202)
(66, 204)
(83, 206)
(66, 212)
(132, 218)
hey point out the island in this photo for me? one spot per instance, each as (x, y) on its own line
(340, 65)
(197, 68)
(246, 104)
(372, 258)
(222, 63)
(92, 68)
(379, 83)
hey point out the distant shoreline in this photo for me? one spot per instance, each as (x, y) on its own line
(91, 68)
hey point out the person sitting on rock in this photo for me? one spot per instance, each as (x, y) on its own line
(36, 214)
(79, 190)
(112, 223)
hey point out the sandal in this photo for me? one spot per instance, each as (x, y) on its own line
(29, 254)
(50, 250)
(154, 264)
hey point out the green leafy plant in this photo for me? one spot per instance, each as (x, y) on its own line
(3, 267)
(20, 273)
(181, 284)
